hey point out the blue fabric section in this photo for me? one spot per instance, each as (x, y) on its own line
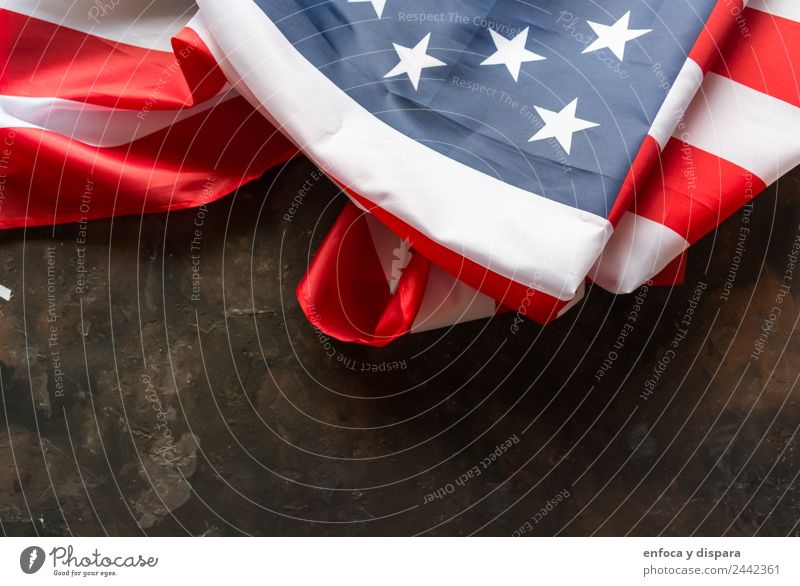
(477, 114)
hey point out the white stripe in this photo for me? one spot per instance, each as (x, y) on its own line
(680, 95)
(784, 8)
(519, 235)
(91, 124)
(744, 126)
(448, 302)
(638, 250)
(144, 23)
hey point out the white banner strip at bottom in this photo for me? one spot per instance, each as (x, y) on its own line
(400, 561)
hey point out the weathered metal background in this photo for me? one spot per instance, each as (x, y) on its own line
(128, 407)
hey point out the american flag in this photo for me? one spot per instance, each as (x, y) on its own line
(515, 186)
(734, 139)
(504, 152)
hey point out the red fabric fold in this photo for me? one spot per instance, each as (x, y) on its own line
(346, 294)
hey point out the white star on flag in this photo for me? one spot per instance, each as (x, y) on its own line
(378, 5)
(615, 36)
(561, 125)
(414, 60)
(511, 52)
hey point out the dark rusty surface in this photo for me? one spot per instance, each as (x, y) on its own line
(129, 408)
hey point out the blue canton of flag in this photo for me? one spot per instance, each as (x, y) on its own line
(554, 97)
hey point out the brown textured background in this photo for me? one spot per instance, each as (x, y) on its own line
(271, 436)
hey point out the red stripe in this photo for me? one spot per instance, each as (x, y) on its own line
(767, 59)
(200, 69)
(695, 190)
(42, 59)
(636, 179)
(345, 294)
(719, 27)
(44, 174)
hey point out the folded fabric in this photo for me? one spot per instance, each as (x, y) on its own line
(693, 190)
(121, 114)
(738, 136)
(503, 144)
(487, 160)
(367, 285)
